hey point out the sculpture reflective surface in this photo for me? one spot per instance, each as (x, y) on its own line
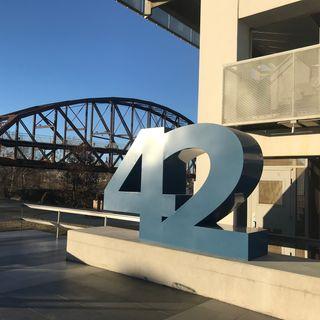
(151, 182)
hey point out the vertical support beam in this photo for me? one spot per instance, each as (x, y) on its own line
(55, 128)
(147, 10)
(132, 121)
(112, 124)
(162, 118)
(215, 52)
(105, 222)
(86, 121)
(34, 125)
(91, 123)
(149, 5)
(148, 119)
(16, 140)
(112, 133)
(65, 132)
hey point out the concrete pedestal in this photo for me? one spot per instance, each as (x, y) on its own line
(284, 287)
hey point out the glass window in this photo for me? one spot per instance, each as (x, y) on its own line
(135, 4)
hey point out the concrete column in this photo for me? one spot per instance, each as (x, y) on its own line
(223, 39)
(218, 45)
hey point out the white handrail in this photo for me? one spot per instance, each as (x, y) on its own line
(84, 212)
(59, 210)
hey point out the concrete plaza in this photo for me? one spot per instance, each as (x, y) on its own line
(38, 283)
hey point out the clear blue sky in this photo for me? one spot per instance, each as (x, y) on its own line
(67, 49)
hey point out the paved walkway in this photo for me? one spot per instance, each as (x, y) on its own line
(37, 283)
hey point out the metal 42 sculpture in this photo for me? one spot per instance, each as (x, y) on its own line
(151, 182)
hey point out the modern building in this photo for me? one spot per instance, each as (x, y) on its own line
(260, 73)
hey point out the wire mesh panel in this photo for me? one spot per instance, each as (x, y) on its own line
(275, 88)
(307, 83)
(259, 90)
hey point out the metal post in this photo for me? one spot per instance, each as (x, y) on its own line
(34, 134)
(293, 87)
(65, 142)
(148, 119)
(92, 123)
(55, 129)
(86, 121)
(105, 222)
(112, 133)
(16, 141)
(132, 122)
(58, 224)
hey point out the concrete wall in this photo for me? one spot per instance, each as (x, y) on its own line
(218, 43)
(289, 146)
(287, 289)
(251, 7)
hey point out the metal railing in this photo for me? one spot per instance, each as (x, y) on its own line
(60, 210)
(10, 135)
(274, 88)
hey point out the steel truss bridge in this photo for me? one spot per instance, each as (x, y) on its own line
(57, 135)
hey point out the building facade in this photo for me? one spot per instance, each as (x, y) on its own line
(259, 72)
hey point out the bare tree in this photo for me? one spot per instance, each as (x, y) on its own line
(84, 183)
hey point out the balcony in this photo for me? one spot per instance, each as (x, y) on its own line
(276, 89)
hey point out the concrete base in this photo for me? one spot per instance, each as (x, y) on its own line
(226, 241)
(280, 286)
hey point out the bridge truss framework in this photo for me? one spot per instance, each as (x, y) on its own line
(103, 129)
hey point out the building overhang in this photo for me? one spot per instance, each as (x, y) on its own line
(180, 17)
